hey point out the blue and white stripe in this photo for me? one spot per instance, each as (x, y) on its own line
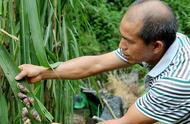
(168, 85)
(120, 54)
(168, 96)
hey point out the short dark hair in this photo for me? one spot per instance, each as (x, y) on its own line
(158, 27)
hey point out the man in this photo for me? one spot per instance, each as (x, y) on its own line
(149, 37)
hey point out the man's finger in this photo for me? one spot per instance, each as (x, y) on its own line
(20, 67)
(21, 75)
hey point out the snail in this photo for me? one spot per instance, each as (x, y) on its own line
(21, 96)
(27, 121)
(26, 101)
(24, 119)
(35, 115)
(31, 100)
(22, 88)
(24, 112)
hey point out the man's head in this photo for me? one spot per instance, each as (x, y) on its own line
(152, 23)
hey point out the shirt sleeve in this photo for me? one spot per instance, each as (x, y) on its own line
(120, 54)
(167, 101)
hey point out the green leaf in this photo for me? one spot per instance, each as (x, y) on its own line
(1, 7)
(44, 110)
(3, 110)
(36, 32)
(55, 65)
(10, 70)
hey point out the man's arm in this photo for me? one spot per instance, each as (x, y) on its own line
(73, 69)
(133, 116)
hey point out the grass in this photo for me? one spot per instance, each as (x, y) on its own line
(39, 32)
(44, 32)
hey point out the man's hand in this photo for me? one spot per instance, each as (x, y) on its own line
(31, 72)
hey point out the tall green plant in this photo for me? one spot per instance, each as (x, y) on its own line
(11, 70)
(40, 32)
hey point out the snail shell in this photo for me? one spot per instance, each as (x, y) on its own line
(24, 119)
(31, 100)
(24, 112)
(22, 88)
(27, 121)
(35, 115)
(26, 101)
(21, 95)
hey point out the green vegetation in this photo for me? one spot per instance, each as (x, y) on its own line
(181, 9)
(44, 32)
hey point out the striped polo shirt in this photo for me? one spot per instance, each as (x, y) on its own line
(167, 96)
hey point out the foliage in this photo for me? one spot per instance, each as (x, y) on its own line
(58, 30)
(181, 10)
(10, 71)
(41, 32)
(104, 16)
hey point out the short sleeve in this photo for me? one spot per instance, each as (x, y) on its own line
(167, 101)
(120, 54)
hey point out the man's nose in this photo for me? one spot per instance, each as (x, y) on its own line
(123, 45)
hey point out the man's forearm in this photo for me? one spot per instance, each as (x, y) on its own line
(74, 69)
(116, 121)
(85, 66)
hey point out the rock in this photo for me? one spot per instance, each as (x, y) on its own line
(115, 103)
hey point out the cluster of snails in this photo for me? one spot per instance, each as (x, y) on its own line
(28, 103)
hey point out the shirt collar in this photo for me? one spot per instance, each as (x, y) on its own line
(165, 60)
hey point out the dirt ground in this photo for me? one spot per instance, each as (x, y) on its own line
(124, 86)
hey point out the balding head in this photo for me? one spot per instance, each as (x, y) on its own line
(159, 22)
(152, 8)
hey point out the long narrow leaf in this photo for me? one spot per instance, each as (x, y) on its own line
(3, 110)
(9, 68)
(24, 44)
(10, 71)
(36, 32)
(1, 7)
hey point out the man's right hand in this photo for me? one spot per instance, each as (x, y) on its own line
(31, 72)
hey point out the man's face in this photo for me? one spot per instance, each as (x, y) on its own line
(133, 47)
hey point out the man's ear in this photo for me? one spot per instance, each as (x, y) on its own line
(158, 46)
